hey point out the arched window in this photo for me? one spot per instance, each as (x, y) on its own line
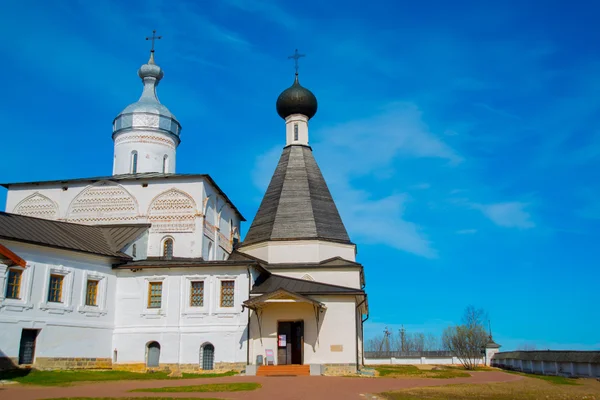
(134, 250)
(165, 168)
(207, 356)
(210, 249)
(152, 354)
(134, 160)
(168, 248)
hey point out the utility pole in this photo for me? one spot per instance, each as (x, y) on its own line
(402, 339)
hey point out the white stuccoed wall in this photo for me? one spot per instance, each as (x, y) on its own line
(179, 329)
(309, 251)
(151, 147)
(69, 329)
(348, 277)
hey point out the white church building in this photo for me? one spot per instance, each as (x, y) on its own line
(145, 269)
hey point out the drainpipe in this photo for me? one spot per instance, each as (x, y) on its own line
(356, 319)
(248, 326)
(362, 329)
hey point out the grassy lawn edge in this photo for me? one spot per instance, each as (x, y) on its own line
(210, 387)
(66, 377)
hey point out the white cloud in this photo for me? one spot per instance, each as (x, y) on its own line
(508, 214)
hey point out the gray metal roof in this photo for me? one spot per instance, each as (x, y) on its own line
(297, 204)
(551, 356)
(100, 240)
(272, 282)
(145, 176)
(162, 262)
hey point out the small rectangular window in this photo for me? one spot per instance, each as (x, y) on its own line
(55, 288)
(155, 295)
(197, 294)
(295, 131)
(91, 293)
(13, 287)
(227, 293)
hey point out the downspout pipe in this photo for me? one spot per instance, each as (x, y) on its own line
(356, 319)
(248, 326)
(362, 328)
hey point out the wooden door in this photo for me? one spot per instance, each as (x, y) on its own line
(297, 342)
(27, 347)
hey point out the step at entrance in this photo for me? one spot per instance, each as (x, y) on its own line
(283, 370)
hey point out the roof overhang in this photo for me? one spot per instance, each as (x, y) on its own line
(281, 296)
(9, 258)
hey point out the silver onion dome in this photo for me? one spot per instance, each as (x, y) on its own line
(148, 113)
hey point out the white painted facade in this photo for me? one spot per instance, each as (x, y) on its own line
(300, 251)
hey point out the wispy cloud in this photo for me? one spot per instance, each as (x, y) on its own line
(508, 215)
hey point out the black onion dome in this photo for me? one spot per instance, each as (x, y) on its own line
(296, 100)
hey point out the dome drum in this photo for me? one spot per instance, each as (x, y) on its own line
(146, 120)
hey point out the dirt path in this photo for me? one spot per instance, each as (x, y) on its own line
(281, 388)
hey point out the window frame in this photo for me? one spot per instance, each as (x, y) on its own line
(186, 293)
(101, 294)
(66, 290)
(133, 167)
(163, 247)
(221, 290)
(19, 272)
(25, 290)
(95, 286)
(59, 291)
(150, 300)
(296, 132)
(192, 282)
(155, 312)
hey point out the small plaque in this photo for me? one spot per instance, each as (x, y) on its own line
(336, 347)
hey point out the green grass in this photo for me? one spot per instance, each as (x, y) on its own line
(211, 387)
(65, 378)
(557, 380)
(411, 371)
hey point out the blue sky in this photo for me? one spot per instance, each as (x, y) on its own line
(460, 140)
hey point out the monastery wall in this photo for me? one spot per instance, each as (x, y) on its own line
(66, 330)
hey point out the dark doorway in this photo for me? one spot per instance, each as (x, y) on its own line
(27, 348)
(290, 342)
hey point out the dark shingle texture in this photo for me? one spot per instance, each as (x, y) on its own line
(101, 240)
(272, 282)
(297, 204)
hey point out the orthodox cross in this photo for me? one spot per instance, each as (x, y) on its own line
(153, 38)
(296, 57)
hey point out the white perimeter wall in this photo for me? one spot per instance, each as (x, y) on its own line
(415, 360)
(67, 330)
(180, 329)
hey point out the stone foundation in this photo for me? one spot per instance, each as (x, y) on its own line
(339, 369)
(50, 363)
(177, 369)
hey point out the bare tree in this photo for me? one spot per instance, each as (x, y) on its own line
(432, 342)
(467, 341)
